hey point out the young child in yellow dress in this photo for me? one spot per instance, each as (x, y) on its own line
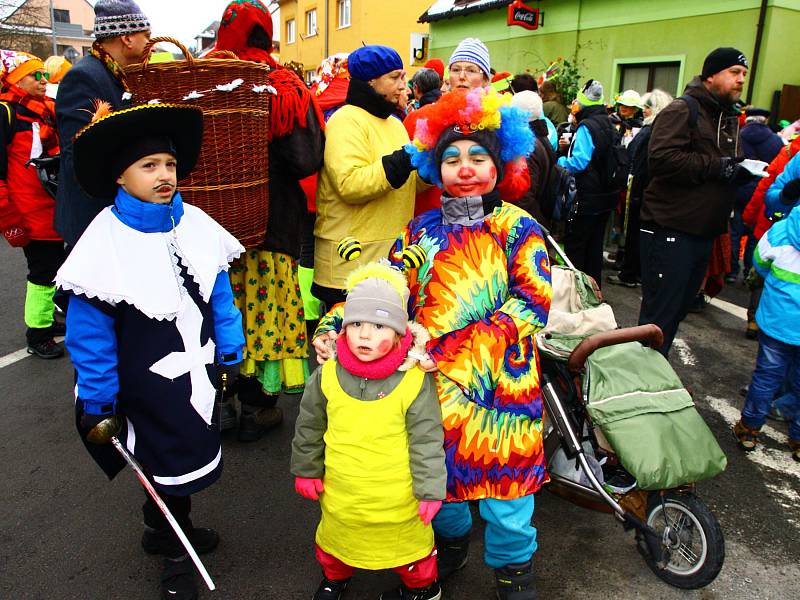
(368, 444)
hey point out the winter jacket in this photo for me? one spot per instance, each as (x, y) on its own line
(423, 425)
(540, 164)
(759, 142)
(638, 150)
(354, 196)
(754, 214)
(555, 111)
(87, 81)
(777, 259)
(773, 203)
(686, 192)
(23, 200)
(587, 159)
(291, 158)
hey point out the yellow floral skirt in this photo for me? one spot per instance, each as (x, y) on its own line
(267, 292)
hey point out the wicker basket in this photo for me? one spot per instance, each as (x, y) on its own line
(231, 179)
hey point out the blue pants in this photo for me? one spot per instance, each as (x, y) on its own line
(776, 362)
(509, 538)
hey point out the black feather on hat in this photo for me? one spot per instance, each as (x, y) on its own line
(110, 144)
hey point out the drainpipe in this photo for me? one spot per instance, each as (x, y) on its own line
(327, 10)
(754, 64)
(53, 28)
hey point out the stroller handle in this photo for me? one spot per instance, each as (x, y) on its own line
(643, 333)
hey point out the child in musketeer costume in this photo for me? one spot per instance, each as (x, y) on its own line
(482, 291)
(151, 323)
(368, 444)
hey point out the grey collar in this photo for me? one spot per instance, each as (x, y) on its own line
(466, 210)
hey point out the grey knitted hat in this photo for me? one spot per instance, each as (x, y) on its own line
(375, 300)
(118, 17)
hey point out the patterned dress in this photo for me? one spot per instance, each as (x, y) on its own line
(482, 292)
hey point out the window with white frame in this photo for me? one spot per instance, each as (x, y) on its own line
(311, 22)
(344, 13)
(290, 31)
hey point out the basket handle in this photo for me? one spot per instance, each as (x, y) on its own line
(148, 50)
(221, 54)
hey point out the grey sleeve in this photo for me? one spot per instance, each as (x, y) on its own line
(308, 448)
(426, 443)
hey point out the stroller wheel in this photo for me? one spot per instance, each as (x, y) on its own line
(691, 538)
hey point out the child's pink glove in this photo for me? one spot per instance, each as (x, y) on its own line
(310, 488)
(428, 510)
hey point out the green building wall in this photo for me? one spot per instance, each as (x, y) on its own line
(607, 34)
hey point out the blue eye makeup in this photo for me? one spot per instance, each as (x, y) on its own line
(478, 149)
(451, 152)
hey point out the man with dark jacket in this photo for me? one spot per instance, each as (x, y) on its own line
(427, 85)
(587, 158)
(694, 166)
(121, 32)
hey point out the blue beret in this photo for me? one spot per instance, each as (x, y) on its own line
(369, 62)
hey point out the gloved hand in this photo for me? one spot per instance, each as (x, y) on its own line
(791, 191)
(308, 488)
(731, 171)
(428, 510)
(230, 372)
(397, 167)
(89, 430)
(16, 236)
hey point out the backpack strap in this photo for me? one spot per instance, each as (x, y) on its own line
(10, 114)
(693, 106)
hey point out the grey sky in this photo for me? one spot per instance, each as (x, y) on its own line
(184, 19)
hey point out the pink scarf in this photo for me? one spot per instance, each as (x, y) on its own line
(376, 369)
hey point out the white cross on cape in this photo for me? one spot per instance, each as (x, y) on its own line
(192, 360)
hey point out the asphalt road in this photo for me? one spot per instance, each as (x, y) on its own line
(67, 533)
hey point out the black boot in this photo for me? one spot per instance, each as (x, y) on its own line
(331, 590)
(451, 555)
(42, 344)
(259, 413)
(515, 582)
(178, 580)
(432, 592)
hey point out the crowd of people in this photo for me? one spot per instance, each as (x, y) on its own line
(428, 392)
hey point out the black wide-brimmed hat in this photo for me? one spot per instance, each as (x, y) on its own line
(108, 145)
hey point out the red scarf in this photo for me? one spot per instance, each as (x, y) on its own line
(376, 369)
(44, 108)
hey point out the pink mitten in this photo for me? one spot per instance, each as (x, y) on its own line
(310, 488)
(428, 510)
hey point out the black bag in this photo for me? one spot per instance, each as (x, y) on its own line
(615, 164)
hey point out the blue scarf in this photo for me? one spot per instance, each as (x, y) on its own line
(147, 217)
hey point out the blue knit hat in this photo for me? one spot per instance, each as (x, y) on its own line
(369, 62)
(472, 50)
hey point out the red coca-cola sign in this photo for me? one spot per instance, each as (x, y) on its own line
(523, 15)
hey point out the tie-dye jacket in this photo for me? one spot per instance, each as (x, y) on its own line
(482, 292)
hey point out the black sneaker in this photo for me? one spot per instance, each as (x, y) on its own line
(177, 580)
(227, 415)
(46, 349)
(432, 592)
(515, 582)
(451, 555)
(331, 590)
(160, 541)
(617, 280)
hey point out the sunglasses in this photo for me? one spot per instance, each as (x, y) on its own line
(39, 75)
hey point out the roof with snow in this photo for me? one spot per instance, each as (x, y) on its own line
(8, 8)
(447, 9)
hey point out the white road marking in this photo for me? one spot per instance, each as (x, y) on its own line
(18, 355)
(776, 459)
(684, 352)
(728, 307)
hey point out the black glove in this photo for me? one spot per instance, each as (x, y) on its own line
(230, 374)
(791, 191)
(730, 171)
(397, 167)
(88, 422)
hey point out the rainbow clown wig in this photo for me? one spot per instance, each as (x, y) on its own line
(476, 110)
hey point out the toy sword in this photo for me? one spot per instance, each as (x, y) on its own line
(105, 432)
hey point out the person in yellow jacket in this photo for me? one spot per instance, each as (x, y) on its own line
(368, 444)
(367, 184)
